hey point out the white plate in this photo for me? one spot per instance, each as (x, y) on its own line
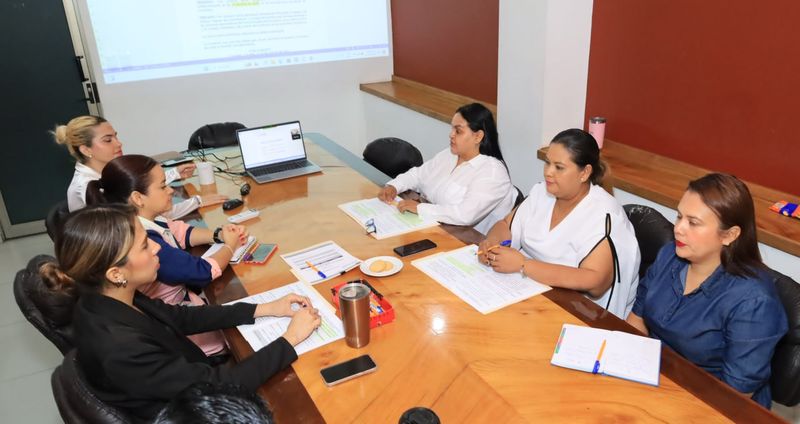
(397, 265)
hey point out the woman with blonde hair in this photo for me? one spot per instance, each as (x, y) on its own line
(93, 142)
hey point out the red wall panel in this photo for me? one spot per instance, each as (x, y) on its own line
(715, 83)
(448, 44)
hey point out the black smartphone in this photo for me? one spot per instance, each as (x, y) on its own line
(174, 162)
(416, 247)
(348, 370)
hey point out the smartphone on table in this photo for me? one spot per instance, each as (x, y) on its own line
(348, 370)
(175, 162)
(416, 247)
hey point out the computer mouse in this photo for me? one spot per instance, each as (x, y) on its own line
(232, 204)
(244, 190)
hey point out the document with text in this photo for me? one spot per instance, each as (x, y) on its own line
(612, 353)
(475, 283)
(387, 220)
(320, 262)
(266, 329)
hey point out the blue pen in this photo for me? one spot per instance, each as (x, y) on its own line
(504, 243)
(315, 269)
(599, 355)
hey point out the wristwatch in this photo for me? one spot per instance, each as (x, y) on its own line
(216, 235)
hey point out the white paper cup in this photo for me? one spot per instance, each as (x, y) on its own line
(205, 173)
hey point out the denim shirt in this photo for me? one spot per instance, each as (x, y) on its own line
(728, 326)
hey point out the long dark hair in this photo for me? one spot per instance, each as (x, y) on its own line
(583, 150)
(479, 118)
(121, 177)
(731, 201)
(93, 240)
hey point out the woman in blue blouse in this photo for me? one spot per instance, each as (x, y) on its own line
(707, 296)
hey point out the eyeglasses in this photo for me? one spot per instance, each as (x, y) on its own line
(370, 226)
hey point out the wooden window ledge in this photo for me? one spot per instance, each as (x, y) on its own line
(664, 180)
(431, 101)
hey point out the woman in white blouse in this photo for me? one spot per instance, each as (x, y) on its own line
(570, 232)
(467, 184)
(93, 142)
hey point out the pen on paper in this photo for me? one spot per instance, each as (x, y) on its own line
(310, 265)
(599, 356)
(504, 243)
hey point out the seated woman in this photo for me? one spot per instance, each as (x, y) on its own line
(465, 185)
(570, 232)
(707, 296)
(93, 142)
(133, 349)
(140, 181)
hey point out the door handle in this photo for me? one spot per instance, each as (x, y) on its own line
(79, 63)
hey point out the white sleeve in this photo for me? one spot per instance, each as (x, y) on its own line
(172, 174)
(76, 196)
(183, 208)
(414, 177)
(483, 194)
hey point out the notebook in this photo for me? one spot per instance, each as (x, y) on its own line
(625, 355)
(274, 152)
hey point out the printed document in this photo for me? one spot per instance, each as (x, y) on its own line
(328, 258)
(388, 221)
(475, 283)
(267, 329)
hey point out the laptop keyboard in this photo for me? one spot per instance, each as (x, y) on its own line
(279, 168)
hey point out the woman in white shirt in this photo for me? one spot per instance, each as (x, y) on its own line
(570, 232)
(93, 142)
(467, 184)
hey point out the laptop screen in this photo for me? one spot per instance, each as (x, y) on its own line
(271, 144)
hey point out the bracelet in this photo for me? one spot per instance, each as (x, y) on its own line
(216, 235)
(522, 269)
(198, 199)
(229, 248)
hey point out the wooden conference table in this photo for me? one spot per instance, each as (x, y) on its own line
(440, 352)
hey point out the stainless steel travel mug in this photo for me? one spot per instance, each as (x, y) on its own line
(354, 304)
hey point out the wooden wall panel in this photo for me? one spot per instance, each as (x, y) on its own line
(715, 83)
(448, 44)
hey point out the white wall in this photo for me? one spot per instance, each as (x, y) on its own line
(387, 119)
(543, 62)
(160, 115)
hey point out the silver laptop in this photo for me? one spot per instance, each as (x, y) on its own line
(274, 152)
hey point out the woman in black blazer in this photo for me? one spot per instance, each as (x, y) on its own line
(134, 349)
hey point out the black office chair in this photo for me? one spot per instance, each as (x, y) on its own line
(392, 156)
(75, 400)
(220, 134)
(785, 380)
(520, 197)
(50, 314)
(55, 219)
(653, 231)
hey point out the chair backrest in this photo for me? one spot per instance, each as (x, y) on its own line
(392, 156)
(55, 218)
(28, 287)
(220, 134)
(785, 380)
(520, 197)
(653, 231)
(75, 400)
